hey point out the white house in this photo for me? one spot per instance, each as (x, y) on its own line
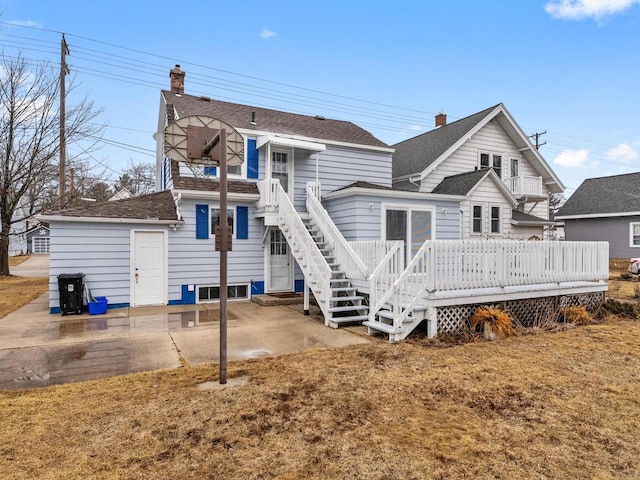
(312, 206)
(488, 159)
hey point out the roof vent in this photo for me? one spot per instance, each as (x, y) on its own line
(205, 99)
(253, 118)
(320, 117)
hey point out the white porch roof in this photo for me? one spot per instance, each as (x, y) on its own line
(289, 142)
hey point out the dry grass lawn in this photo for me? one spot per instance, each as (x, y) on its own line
(18, 291)
(548, 406)
(553, 405)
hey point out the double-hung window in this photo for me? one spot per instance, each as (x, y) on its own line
(476, 220)
(495, 219)
(634, 231)
(215, 219)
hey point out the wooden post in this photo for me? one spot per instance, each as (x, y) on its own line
(306, 296)
(223, 256)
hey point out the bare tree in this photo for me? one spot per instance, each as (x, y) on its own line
(139, 178)
(29, 140)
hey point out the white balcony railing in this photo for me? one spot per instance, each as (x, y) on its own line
(525, 186)
(268, 189)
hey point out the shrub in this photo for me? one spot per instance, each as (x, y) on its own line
(492, 323)
(577, 315)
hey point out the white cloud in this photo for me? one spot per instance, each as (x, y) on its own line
(623, 153)
(266, 33)
(25, 23)
(415, 128)
(572, 158)
(581, 9)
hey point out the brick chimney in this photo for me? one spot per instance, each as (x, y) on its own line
(441, 119)
(177, 80)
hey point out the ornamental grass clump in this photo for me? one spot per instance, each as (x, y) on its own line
(577, 315)
(492, 323)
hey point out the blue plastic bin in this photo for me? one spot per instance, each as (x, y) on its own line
(99, 306)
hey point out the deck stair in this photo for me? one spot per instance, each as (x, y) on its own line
(345, 306)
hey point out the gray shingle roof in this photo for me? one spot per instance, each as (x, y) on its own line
(616, 194)
(361, 184)
(525, 217)
(273, 121)
(415, 154)
(156, 206)
(460, 184)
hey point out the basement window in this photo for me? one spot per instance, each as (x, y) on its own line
(211, 293)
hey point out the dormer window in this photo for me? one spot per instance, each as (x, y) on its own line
(491, 160)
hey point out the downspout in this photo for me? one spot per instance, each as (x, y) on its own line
(414, 184)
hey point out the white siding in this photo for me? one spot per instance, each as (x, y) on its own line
(195, 261)
(359, 217)
(339, 167)
(99, 250)
(490, 138)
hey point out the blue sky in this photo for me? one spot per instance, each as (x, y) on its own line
(567, 67)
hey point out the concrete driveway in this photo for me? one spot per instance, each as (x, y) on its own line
(35, 266)
(38, 349)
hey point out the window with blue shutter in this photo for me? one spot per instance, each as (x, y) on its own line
(202, 221)
(242, 223)
(210, 171)
(252, 158)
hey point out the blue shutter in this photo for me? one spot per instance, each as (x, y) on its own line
(202, 221)
(242, 223)
(210, 170)
(252, 158)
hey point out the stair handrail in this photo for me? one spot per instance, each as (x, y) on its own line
(418, 277)
(383, 278)
(314, 267)
(349, 261)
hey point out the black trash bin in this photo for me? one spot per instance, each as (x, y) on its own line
(70, 288)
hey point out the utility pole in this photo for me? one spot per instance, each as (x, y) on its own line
(537, 137)
(72, 190)
(64, 70)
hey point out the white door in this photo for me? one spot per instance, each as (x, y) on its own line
(280, 276)
(148, 265)
(281, 168)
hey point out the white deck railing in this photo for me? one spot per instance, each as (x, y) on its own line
(384, 276)
(310, 259)
(461, 265)
(465, 264)
(349, 261)
(268, 189)
(525, 185)
(372, 252)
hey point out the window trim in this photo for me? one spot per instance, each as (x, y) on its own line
(473, 218)
(409, 208)
(631, 244)
(518, 161)
(490, 212)
(234, 225)
(230, 285)
(502, 156)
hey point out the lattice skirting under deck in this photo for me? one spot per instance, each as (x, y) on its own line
(528, 312)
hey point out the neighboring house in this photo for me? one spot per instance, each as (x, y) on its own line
(312, 208)
(38, 240)
(487, 158)
(121, 194)
(605, 209)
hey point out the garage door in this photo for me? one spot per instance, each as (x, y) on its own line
(41, 245)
